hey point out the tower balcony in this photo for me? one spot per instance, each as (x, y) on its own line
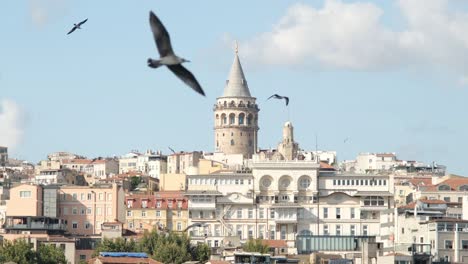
(236, 106)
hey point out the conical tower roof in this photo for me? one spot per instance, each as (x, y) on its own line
(236, 85)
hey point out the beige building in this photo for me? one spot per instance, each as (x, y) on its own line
(236, 116)
(172, 182)
(167, 210)
(181, 162)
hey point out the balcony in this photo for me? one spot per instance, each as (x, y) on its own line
(34, 223)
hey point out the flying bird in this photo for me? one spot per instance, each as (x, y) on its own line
(276, 96)
(346, 140)
(75, 26)
(167, 56)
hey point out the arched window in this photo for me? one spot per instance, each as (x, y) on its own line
(249, 119)
(223, 119)
(217, 120)
(232, 119)
(232, 142)
(241, 104)
(225, 103)
(444, 188)
(463, 188)
(241, 118)
(304, 182)
(232, 103)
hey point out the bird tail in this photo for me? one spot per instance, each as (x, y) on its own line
(154, 63)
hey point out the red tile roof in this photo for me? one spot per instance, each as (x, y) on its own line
(408, 206)
(275, 243)
(453, 183)
(324, 165)
(421, 182)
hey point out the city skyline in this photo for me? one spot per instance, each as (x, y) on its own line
(91, 93)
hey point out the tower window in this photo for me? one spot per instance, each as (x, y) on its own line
(232, 142)
(232, 134)
(249, 119)
(241, 119)
(250, 142)
(232, 119)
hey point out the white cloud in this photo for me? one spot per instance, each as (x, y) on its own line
(353, 36)
(11, 124)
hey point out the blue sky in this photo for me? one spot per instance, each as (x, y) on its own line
(389, 75)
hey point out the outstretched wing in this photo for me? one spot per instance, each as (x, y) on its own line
(275, 95)
(73, 29)
(287, 100)
(82, 22)
(160, 35)
(187, 77)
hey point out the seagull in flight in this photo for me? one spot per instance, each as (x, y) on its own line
(75, 26)
(167, 56)
(276, 96)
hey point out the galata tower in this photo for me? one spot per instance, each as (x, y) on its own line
(236, 115)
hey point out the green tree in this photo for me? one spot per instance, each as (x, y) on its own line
(134, 181)
(202, 252)
(21, 252)
(115, 245)
(18, 251)
(50, 254)
(255, 245)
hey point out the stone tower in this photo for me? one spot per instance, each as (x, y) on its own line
(288, 148)
(236, 115)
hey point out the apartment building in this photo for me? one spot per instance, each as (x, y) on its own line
(167, 210)
(86, 208)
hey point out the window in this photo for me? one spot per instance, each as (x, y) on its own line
(130, 225)
(144, 204)
(250, 213)
(143, 213)
(65, 211)
(75, 210)
(304, 182)
(444, 188)
(325, 212)
(374, 201)
(352, 230)
(87, 225)
(338, 213)
(109, 197)
(338, 230)
(169, 204)
(364, 230)
(464, 244)
(272, 214)
(239, 213)
(283, 232)
(75, 196)
(75, 225)
(448, 244)
(179, 204)
(83, 210)
(325, 230)
(82, 196)
(447, 199)
(261, 213)
(158, 204)
(129, 213)
(179, 226)
(25, 194)
(82, 257)
(88, 210)
(353, 214)
(232, 142)
(158, 213)
(101, 196)
(179, 214)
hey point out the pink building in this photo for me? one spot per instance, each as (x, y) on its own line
(25, 200)
(87, 208)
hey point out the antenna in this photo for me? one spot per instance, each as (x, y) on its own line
(316, 142)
